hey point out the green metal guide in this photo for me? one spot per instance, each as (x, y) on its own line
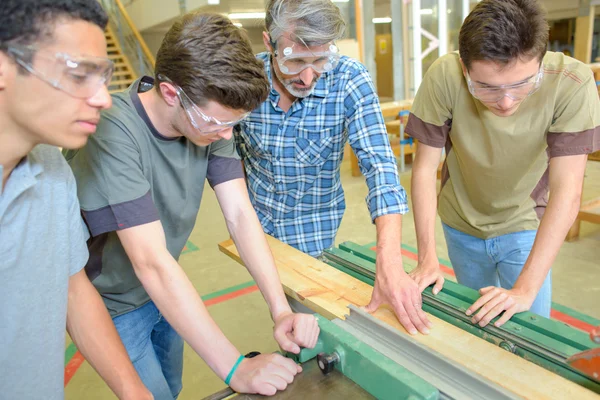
(545, 342)
(377, 374)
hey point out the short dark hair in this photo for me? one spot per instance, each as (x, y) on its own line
(27, 22)
(212, 60)
(503, 31)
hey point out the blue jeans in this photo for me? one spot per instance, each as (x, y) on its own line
(495, 262)
(155, 350)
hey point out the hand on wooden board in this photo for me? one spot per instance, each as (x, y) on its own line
(394, 287)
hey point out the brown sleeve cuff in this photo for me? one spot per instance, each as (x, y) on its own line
(121, 216)
(223, 169)
(573, 143)
(426, 133)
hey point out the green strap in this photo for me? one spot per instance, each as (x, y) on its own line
(235, 366)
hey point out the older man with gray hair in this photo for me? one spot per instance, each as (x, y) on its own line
(293, 145)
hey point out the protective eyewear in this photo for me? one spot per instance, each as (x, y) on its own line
(296, 58)
(202, 122)
(516, 91)
(78, 76)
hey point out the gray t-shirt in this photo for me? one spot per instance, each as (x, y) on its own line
(128, 175)
(42, 243)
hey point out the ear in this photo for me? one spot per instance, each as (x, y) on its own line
(168, 93)
(464, 69)
(267, 41)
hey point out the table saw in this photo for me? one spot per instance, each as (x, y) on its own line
(360, 355)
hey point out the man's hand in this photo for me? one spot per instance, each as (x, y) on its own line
(295, 330)
(264, 374)
(494, 300)
(394, 287)
(426, 274)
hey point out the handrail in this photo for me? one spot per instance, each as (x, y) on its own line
(130, 42)
(135, 31)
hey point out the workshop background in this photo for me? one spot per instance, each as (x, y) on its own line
(379, 35)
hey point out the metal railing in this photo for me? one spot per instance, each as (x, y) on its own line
(130, 40)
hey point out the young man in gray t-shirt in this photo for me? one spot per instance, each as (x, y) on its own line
(53, 71)
(140, 181)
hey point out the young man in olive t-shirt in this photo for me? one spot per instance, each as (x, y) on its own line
(517, 122)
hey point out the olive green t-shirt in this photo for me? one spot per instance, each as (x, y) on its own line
(495, 176)
(129, 174)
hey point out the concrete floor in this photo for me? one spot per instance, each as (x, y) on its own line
(246, 322)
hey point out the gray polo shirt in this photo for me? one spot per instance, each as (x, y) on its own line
(42, 243)
(128, 175)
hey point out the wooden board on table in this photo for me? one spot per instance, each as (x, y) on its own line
(328, 291)
(392, 108)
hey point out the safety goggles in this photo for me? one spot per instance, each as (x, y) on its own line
(78, 76)
(202, 122)
(296, 58)
(516, 91)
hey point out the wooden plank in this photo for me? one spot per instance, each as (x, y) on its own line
(328, 291)
(592, 216)
(391, 109)
(393, 127)
(590, 204)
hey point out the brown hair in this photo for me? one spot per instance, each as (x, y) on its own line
(212, 59)
(503, 31)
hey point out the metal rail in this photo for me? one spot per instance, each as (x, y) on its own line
(452, 380)
(511, 342)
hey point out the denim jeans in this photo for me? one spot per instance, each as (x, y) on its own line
(155, 349)
(496, 261)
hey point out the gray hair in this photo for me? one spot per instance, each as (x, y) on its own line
(313, 22)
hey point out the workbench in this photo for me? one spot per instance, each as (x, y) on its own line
(526, 358)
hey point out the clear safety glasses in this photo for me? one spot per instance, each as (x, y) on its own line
(202, 122)
(296, 58)
(516, 91)
(78, 76)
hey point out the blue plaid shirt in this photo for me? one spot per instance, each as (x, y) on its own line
(293, 159)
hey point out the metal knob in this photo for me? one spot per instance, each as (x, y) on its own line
(327, 361)
(508, 346)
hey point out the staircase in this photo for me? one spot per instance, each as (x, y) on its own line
(125, 47)
(124, 75)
